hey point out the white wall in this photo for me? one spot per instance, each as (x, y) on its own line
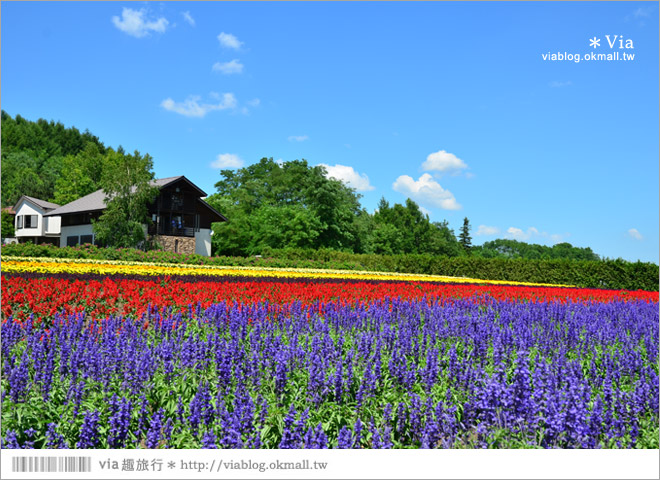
(74, 230)
(53, 225)
(26, 208)
(203, 242)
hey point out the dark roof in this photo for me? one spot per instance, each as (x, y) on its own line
(213, 210)
(164, 182)
(41, 203)
(97, 200)
(161, 182)
(89, 203)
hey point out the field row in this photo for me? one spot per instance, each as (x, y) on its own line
(41, 296)
(134, 357)
(115, 267)
(382, 374)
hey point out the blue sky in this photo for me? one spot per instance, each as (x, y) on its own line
(451, 104)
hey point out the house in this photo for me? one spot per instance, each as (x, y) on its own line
(32, 224)
(181, 220)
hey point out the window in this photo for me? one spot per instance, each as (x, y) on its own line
(79, 218)
(86, 239)
(177, 201)
(72, 241)
(19, 221)
(31, 221)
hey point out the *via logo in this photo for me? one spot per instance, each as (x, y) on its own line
(614, 41)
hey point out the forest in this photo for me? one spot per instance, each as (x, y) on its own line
(270, 205)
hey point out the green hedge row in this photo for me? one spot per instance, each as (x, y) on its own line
(133, 255)
(611, 274)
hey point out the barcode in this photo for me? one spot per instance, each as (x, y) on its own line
(51, 464)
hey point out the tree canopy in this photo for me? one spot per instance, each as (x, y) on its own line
(505, 248)
(126, 181)
(33, 159)
(295, 205)
(7, 228)
(464, 237)
(289, 204)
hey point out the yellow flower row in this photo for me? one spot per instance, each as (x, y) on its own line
(115, 267)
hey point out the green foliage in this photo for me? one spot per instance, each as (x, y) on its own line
(33, 156)
(401, 229)
(126, 182)
(21, 175)
(443, 241)
(464, 237)
(288, 205)
(7, 224)
(502, 248)
(294, 205)
(81, 174)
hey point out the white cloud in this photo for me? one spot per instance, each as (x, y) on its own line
(255, 102)
(642, 12)
(228, 40)
(443, 161)
(486, 230)
(227, 160)
(188, 18)
(298, 138)
(134, 23)
(424, 210)
(426, 191)
(634, 233)
(519, 234)
(557, 84)
(192, 108)
(556, 238)
(235, 66)
(348, 175)
(640, 15)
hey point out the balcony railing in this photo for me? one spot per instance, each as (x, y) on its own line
(173, 230)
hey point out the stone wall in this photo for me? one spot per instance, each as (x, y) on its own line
(168, 243)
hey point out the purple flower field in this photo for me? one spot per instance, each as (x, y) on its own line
(468, 373)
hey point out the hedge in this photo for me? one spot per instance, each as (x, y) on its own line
(611, 274)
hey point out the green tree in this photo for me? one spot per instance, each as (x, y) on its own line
(32, 156)
(20, 176)
(279, 206)
(405, 228)
(464, 237)
(80, 176)
(363, 225)
(443, 241)
(7, 224)
(507, 248)
(126, 182)
(386, 239)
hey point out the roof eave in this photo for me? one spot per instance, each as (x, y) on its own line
(201, 192)
(224, 219)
